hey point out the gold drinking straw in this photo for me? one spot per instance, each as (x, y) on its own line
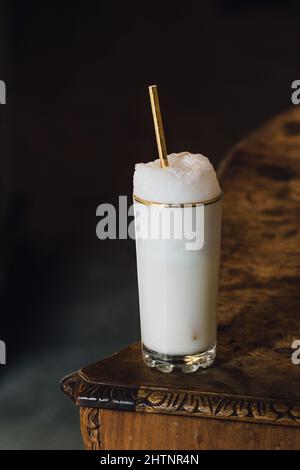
(158, 125)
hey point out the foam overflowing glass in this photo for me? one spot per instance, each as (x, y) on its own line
(178, 229)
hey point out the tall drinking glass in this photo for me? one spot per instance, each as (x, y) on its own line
(178, 282)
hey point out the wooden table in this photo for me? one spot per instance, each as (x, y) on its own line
(250, 397)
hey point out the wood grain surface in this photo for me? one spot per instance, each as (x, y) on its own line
(126, 430)
(253, 378)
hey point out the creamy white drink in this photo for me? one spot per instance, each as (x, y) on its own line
(178, 281)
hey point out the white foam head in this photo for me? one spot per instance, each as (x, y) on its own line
(188, 178)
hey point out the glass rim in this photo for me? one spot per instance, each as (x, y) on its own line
(182, 205)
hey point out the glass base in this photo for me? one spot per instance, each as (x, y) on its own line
(188, 364)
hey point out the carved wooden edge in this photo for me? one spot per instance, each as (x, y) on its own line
(92, 395)
(210, 405)
(96, 395)
(90, 426)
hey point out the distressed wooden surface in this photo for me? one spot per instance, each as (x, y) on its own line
(148, 431)
(253, 378)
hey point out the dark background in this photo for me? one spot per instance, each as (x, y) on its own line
(76, 121)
